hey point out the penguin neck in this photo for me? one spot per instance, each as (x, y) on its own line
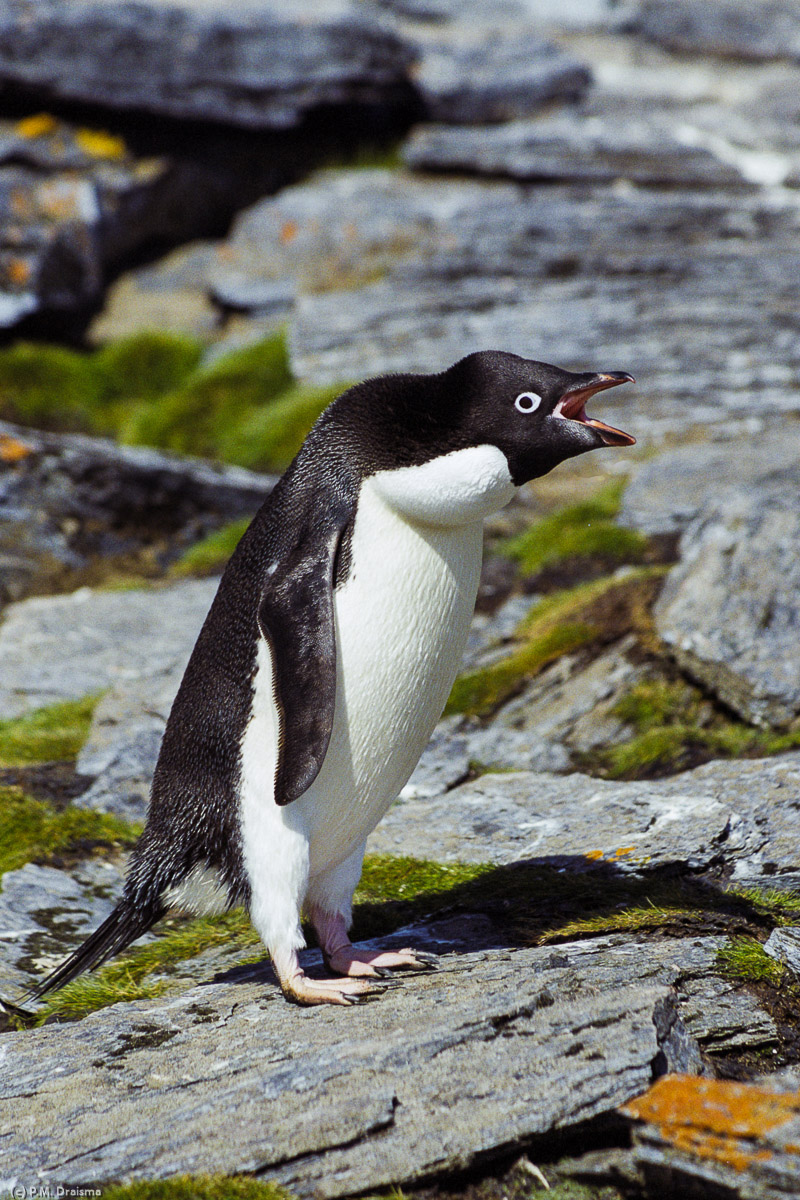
(451, 491)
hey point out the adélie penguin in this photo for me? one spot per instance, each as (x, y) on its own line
(329, 653)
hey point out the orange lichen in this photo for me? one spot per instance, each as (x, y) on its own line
(19, 272)
(594, 855)
(623, 850)
(289, 231)
(39, 125)
(98, 143)
(713, 1118)
(12, 450)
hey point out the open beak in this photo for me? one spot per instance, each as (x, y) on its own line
(572, 406)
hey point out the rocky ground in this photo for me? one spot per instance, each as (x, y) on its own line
(601, 843)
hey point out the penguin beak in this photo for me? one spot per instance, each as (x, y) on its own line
(572, 406)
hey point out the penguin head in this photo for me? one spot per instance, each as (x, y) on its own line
(534, 413)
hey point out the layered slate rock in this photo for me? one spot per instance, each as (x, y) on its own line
(642, 149)
(495, 76)
(330, 1101)
(263, 66)
(743, 813)
(766, 29)
(65, 647)
(66, 500)
(729, 609)
(707, 1137)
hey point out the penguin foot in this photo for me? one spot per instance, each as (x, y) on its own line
(303, 990)
(346, 960)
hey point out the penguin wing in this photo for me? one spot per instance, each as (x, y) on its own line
(297, 621)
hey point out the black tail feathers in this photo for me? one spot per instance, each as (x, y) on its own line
(123, 926)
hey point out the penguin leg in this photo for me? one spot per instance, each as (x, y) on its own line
(329, 905)
(278, 882)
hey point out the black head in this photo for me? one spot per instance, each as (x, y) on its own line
(535, 413)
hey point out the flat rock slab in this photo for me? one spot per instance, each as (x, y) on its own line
(67, 499)
(665, 494)
(729, 610)
(740, 812)
(493, 1048)
(66, 647)
(710, 1137)
(768, 29)
(491, 77)
(641, 149)
(261, 66)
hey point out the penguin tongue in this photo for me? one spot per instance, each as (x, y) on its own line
(572, 406)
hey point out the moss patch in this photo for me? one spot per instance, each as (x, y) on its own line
(745, 959)
(50, 734)
(150, 389)
(676, 727)
(197, 1187)
(581, 530)
(592, 614)
(32, 831)
(212, 552)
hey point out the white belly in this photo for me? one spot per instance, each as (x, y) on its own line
(402, 619)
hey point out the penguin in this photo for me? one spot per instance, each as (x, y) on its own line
(328, 655)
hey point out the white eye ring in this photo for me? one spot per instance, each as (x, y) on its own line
(527, 402)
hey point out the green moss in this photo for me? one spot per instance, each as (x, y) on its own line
(676, 727)
(49, 734)
(745, 959)
(142, 367)
(580, 530)
(196, 417)
(563, 622)
(211, 553)
(31, 830)
(47, 387)
(197, 1187)
(268, 437)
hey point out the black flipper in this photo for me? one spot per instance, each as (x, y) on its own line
(123, 926)
(297, 620)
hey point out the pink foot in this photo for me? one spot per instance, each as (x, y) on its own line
(297, 986)
(341, 956)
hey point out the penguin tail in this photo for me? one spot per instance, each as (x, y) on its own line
(123, 926)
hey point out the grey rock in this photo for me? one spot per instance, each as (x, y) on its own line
(551, 1048)
(768, 29)
(723, 1017)
(499, 77)
(66, 647)
(643, 149)
(667, 493)
(743, 813)
(260, 66)
(784, 945)
(69, 498)
(45, 912)
(729, 609)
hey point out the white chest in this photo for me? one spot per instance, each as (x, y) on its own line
(401, 621)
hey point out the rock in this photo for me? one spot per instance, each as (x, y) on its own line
(65, 647)
(576, 272)
(768, 29)
(667, 493)
(45, 912)
(723, 1017)
(329, 1102)
(729, 609)
(499, 77)
(65, 499)
(642, 149)
(784, 945)
(742, 813)
(709, 1138)
(264, 67)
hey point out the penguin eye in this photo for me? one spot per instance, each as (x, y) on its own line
(527, 402)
